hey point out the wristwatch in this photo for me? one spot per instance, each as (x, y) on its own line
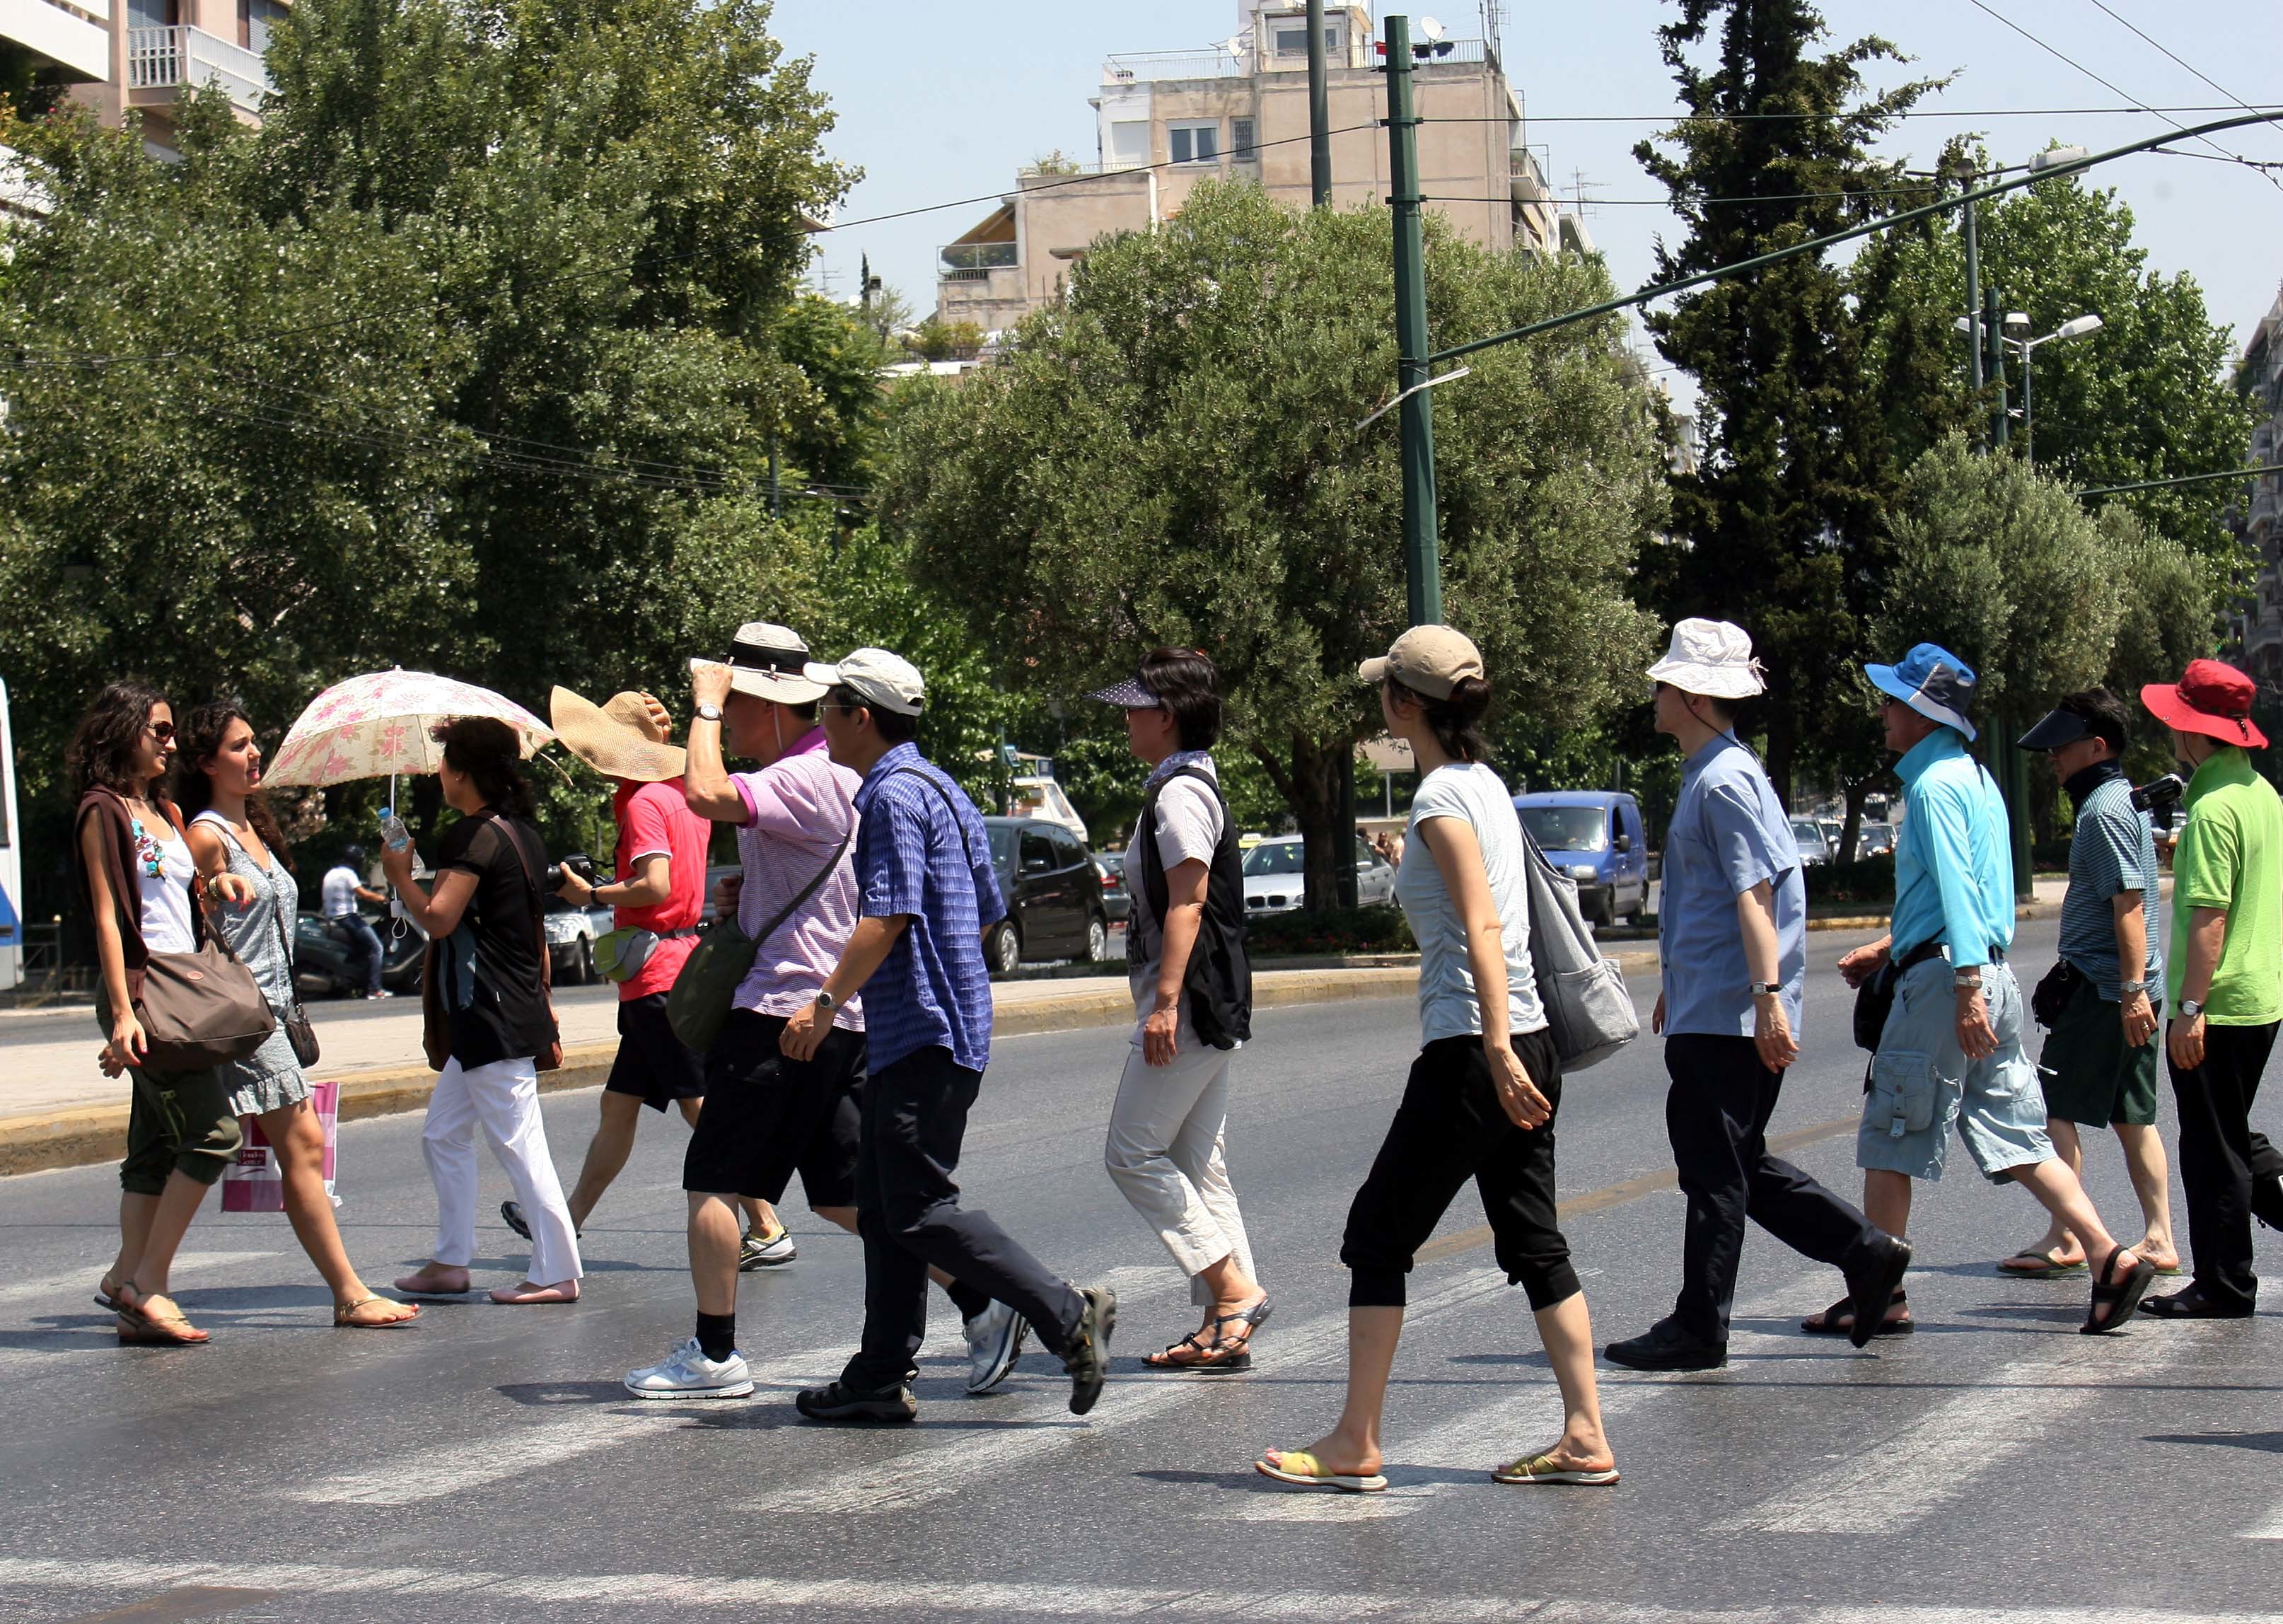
(709, 712)
(824, 1001)
(1766, 989)
(1968, 980)
(2131, 989)
(2191, 1009)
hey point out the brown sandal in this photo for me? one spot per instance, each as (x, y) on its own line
(342, 1311)
(137, 1325)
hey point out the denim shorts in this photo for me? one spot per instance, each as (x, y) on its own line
(1921, 1082)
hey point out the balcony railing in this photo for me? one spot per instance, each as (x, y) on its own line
(165, 58)
(977, 260)
(1172, 65)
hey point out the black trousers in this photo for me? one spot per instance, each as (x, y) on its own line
(907, 1213)
(1717, 1116)
(2226, 1169)
(1449, 1129)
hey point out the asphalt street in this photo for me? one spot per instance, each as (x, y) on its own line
(485, 1464)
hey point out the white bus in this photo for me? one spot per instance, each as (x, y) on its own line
(12, 858)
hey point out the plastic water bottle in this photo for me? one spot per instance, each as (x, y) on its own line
(393, 834)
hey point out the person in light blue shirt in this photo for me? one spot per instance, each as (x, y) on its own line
(1951, 1050)
(1731, 927)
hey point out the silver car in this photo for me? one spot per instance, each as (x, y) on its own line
(1275, 875)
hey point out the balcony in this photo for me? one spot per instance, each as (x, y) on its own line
(77, 38)
(188, 58)
(1152, 65)
(975, 262)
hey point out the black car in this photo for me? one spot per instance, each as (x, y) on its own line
(1054, 906)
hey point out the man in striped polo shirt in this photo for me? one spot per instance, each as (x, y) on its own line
(2103, 1001)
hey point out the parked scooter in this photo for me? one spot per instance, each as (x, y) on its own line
(323, 966)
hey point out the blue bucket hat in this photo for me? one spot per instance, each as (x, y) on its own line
(1933, 681)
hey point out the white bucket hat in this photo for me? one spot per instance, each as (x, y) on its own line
(1713, 658)
(768, 662)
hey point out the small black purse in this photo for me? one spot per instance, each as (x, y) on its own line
(299, 1032)
(1874, 1001)
(2053, 993)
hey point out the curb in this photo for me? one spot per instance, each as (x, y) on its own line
(88, 1134)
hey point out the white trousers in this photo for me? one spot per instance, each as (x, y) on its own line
(503, 1099)
(1164, 1150)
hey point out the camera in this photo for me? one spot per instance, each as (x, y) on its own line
(583, 866)
(2161, 800)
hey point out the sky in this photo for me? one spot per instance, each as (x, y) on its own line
(937, 101)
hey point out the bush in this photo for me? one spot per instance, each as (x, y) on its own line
(1343, 930)
(1870, 880)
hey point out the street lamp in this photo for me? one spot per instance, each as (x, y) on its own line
(2075, 327)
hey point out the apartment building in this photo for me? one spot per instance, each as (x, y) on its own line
(1166, 122)
(2258, 518)
(122, 55)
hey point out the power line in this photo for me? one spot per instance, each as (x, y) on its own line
(1677, 115)
(2176, 57)
(2055, 51)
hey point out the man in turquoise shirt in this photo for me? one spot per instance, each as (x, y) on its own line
(1951, 1050)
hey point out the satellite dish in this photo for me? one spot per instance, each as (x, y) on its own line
(1429, 29)
(1234, 44)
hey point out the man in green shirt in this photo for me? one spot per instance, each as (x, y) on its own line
(2225, 984)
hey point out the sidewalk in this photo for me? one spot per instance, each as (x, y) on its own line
(57, 1110)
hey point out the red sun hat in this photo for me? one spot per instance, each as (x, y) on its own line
(2210, 698)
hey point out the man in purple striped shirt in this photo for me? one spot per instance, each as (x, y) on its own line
(927, 893)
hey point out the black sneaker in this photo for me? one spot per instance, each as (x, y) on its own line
(892, 1406)
(1666, 1346)
(1086, 1359)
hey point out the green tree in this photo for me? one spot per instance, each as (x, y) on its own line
(1782, 529)
(1169, 456)
(2144, 398)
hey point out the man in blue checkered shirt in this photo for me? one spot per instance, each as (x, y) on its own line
(923, 868)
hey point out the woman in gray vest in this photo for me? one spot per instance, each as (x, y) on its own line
(1192, 997)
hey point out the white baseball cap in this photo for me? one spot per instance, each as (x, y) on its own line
(886, 680)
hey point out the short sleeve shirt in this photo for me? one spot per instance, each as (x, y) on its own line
(1448, 1006)
(1189, 829)
(922, 852)
(1729, 833)
(489, 967)
(2113, 851)
(800, 810)
(2231, 856)
(340, 892)
(1954, 858)
(655, 819)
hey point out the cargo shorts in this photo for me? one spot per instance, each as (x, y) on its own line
(1921, 1082)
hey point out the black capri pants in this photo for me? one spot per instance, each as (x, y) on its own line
(1450, 1127)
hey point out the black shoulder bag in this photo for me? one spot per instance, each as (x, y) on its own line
(1218, 982)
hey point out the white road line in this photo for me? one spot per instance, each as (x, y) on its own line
(1897, 1478)
(2271, 1529)
(742, 1594)
(455, 1468)
(78, 1287)
(891, 1484)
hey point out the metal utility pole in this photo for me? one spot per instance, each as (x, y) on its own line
(2008, 764)
(1972, 288)
(1423, 563)
(1320, 177)
(1993, 334)
(1319, 118)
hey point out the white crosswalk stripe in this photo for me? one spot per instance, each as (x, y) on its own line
(77, 1289)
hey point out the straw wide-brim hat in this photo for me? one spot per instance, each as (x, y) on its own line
(616, 737)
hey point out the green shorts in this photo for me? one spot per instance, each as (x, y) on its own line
(2092, 1076)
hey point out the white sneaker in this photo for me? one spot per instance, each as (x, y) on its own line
(689, 1374)
(759, 1252)
(995, 1336)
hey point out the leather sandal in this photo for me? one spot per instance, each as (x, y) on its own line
(138, 1326)
(2120, 1297)
(1828, 1324)
(344, 1312)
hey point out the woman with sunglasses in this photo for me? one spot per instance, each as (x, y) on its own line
(1482, 1096)
(217, 779)
(137, 874)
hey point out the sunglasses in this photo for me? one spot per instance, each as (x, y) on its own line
(162, 730)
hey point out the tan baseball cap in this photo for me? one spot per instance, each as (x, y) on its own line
(886, 680)
(1429, 660)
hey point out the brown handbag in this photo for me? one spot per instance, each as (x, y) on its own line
(435, 1021)
(198, 1009)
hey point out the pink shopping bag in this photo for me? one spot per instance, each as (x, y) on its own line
(252, 1183)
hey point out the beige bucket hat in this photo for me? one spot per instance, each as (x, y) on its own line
(618, 738)
(769, 661)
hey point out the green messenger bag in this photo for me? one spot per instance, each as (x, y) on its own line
(706, 988)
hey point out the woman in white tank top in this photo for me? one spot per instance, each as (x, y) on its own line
(180, 1131)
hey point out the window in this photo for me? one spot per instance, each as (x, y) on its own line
(1275, 858)
(1038, 853)
(1292, 40)
(153, 13)
(256, 20)
(1194, 142)
(1241, 137)
(1129, 141)
(1067, 852)
(1567, 829)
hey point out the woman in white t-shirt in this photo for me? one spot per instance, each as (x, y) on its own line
(1482, 1096)
(1167, 1129)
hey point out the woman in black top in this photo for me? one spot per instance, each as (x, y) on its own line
(488, 991)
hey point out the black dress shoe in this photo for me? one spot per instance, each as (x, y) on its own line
(892, 1406)
(2193, 1304)
(1873, 1289)
(1666, 1346)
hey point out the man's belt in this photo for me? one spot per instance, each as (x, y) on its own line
(1934, 949)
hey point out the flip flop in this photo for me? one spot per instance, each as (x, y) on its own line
(1545, 1469)
(1302, 1470)
(138, 1325)
(2031, 1264)
(342, 1322)
(2121, 1296)
(1827, 1324)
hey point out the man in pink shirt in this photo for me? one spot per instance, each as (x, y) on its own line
(656, 895)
